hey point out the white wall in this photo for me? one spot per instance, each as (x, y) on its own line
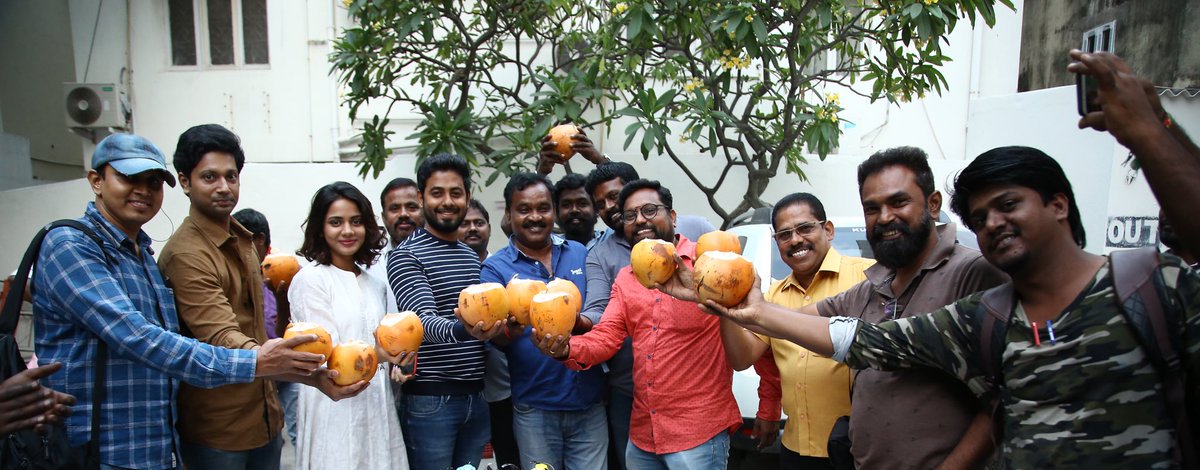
(283, 112)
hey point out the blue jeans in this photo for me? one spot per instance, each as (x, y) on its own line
(713, 454)
(563, 439)
(288, 392)
(198, 457)
(444, 431)
(620, 410)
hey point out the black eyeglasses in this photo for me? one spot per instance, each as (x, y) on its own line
(892, 308)
(805, 228)
(649, 211)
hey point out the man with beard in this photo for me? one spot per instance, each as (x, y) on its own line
(607, 255)
(679, 352)
(476, 229)
(816, 390)
(1078, 385)
(909, 418)
(443, 414)
(558, 414)
(574, 212)
(402, 216)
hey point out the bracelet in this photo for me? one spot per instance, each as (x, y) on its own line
(1167, 122)
(506, 335)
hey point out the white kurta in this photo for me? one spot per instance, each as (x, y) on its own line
(362, 432)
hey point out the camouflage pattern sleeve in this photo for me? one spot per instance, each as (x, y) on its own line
(1185, 282)
(943, 339)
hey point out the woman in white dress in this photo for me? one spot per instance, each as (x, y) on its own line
(341, 237)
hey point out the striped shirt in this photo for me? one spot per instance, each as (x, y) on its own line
(426, 274)
(78, 298)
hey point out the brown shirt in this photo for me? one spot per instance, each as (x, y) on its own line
(912, 419)
(219, 296)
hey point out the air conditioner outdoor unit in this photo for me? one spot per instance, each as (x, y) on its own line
(95, 106)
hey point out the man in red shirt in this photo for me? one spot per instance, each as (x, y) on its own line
(683, 405)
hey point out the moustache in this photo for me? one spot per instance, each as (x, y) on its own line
(903, 228)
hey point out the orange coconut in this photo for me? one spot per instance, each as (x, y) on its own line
(569, 288)
(652, 261)
(399, 332)
(279, 268)
(321, 346)
(354, 361)
(723, 277)
(561, 136)
(552, 313)
(520, 294)
(717, 240)
(487, 303)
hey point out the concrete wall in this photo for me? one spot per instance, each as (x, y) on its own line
(36, 57)
(1154, 36)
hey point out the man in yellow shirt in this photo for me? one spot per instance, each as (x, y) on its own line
(816, 389)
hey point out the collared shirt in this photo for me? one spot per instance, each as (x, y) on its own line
(427, 273)
(683, 385)
(217, 280)
(538, 380)
(912, 418)
(79, 298)
(606, 257)
(270, 311)
(816, 389)
(1087, 397)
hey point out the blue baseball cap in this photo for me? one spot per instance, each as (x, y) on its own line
(130, 155)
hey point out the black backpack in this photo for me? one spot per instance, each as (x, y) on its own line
(26, 449)
(1155, 318)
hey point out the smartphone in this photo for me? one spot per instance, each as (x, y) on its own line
(1086, 89)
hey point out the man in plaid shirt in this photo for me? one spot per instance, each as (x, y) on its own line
(84, 293)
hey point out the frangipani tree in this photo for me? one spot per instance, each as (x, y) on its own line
(740, 81)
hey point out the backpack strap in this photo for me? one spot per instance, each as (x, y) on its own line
(992, 319)
(1147, 309)
(11, 313)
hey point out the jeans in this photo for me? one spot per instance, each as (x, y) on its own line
(288, 392)
(504, 442)
(713, 454)
(444, 431)
(563, 439)
(620, 410)
(198, 457)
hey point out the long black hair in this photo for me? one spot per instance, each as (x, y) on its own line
(315, 248)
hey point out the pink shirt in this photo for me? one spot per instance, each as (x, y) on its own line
(682, 384)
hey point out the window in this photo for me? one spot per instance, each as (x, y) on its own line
(1101, 39)
(218, 32)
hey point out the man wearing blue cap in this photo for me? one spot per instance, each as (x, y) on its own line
(87, 295)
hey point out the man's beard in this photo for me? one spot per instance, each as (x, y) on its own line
(431, 221)
(580, 231)
(904, 250)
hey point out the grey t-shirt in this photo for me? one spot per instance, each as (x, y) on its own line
(605, 259)
(912, 418)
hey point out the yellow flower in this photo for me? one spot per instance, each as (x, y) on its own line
(347, 3)
(930, 2)
(620, 8)
(833, 98)
(749, 18)
(683, 138)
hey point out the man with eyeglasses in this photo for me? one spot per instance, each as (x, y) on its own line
(679, 352)
(816, 389)
(908, 418)
(608, 254)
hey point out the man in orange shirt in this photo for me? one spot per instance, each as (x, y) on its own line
(816, 390)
